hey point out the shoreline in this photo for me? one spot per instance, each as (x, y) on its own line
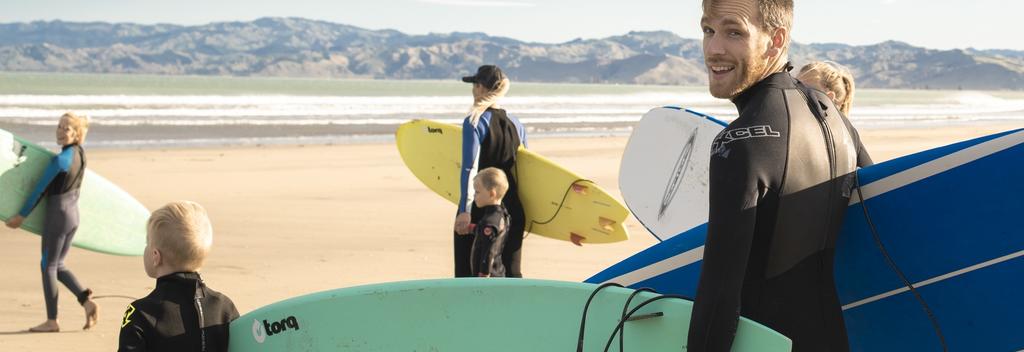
(158, 138)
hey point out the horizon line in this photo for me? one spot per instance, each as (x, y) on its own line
(472, 32)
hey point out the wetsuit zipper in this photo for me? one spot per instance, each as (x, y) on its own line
(202, 319)
(830, 145)
(826, 134)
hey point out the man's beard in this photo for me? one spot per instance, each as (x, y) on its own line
(753, 71)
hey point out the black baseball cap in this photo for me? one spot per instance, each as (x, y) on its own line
(487, 76)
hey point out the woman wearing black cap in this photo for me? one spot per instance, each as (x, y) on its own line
(490, 138)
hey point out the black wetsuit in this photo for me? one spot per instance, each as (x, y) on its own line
(169, 318)
(489, 240)
(60, 185)
(781, 178)
(497, 149)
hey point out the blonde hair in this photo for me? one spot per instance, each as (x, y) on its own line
(77, 123)
(182, 232)
(493, 179)
(487, 100)
(775, 14)
(834, 78)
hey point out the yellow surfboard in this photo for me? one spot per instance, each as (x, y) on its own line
(558, 203)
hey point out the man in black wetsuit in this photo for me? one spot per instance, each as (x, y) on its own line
(780, 181)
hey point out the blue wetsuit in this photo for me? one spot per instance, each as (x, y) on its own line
(493, 142)
(60, 183)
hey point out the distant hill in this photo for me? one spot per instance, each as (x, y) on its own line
(306, 48)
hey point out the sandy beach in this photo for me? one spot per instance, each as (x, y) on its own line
(292, 220)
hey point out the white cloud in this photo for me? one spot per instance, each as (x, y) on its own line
(888, 2)
(480, 3)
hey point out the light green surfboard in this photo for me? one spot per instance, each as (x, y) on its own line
(491, 315)
(558, 203)
(111, 220)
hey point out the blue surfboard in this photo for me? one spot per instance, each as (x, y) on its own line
(949, 219)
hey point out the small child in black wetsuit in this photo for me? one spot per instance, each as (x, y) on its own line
(489, 233)
(182, 313)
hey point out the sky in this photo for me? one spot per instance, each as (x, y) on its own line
(937, 24)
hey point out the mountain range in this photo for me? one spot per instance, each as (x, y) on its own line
(296, 47)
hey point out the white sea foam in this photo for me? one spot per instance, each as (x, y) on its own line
(584, 113)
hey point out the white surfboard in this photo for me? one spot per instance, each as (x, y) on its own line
(664, 169)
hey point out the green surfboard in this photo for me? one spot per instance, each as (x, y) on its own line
(475, 315)
(111, 220)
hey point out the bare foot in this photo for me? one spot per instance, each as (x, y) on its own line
(92, 313)
(47, 326)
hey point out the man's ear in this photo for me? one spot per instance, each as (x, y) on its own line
(831, 95)
(777, 42)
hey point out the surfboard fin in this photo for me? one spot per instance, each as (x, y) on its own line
(576, 239)
(606, 224)
(21, 154)
(580, 189)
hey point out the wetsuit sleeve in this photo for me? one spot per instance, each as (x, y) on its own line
(60, 163)
(228, 314)
(863, 158)
(471, 137)
(747, 162)
(522, 132)
(132, 336)
(232, 311)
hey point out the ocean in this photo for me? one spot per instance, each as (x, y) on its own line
(146, 111)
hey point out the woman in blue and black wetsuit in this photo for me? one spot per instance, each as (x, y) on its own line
(60, 184)
(490, 138)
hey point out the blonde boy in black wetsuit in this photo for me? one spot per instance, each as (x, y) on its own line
(181, 314)
(490, 231)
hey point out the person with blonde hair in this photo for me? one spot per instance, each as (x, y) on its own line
(836, 82)
(182, 313)
(831, 78)
(60, 184)
(490, 138)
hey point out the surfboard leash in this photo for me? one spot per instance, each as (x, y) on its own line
(892, 265)
(586, 307)
(629, 316)
(625, 308)
(561, 204)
